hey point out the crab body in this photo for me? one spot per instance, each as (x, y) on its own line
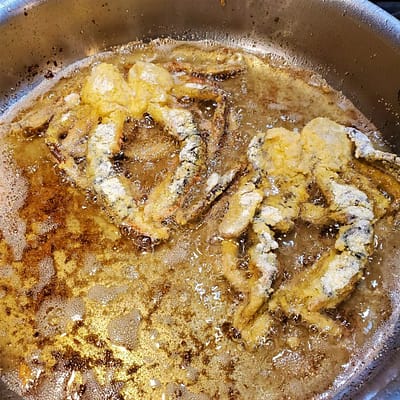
(87, 131)
(274, 194)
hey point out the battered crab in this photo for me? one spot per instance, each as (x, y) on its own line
(274, 194)
(86, 135)
(85, 132)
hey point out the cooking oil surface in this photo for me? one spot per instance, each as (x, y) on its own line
(90, 312)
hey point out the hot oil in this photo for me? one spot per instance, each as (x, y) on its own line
(86, 311)
(146, 156)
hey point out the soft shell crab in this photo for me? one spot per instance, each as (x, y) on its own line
(275, 193)
(86, 133)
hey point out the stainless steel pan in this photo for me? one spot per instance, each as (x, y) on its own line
(353, 44)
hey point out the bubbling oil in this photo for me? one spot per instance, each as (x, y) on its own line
(87, 314)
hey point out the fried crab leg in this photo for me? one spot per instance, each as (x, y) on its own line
(200, 89)
(365, 150)
(216, 185)
(165, 198)
(243, 206)
(333, 277)
(249, 207)
(66, 138)
(200, 69)
(217, 64)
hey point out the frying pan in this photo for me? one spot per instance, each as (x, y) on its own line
(354, 45)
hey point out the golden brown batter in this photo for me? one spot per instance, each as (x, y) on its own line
(181, 221)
